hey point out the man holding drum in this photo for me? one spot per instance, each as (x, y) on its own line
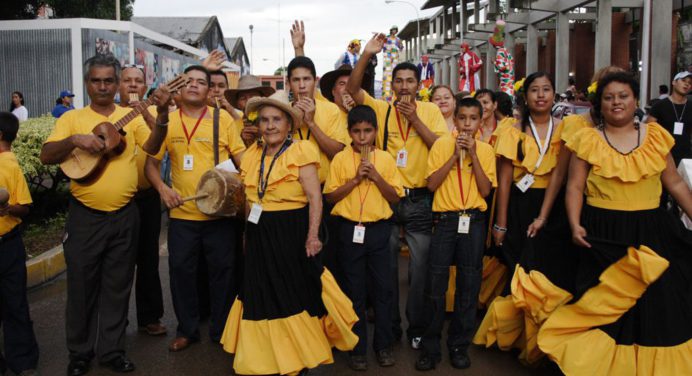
(191, 233)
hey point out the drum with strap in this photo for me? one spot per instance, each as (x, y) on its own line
(220, 193)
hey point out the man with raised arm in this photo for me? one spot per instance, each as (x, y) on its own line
(408, 130)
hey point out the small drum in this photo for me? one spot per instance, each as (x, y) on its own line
(220, 193)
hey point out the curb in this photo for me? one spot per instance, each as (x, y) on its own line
(45, 267)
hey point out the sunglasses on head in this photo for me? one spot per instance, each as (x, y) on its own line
(140, 67)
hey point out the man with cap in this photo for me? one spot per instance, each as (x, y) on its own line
(333, 88)
(673, 115)
(248, 87)
(63, 104)
(427, 72)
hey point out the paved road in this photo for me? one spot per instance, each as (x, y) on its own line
(152, 357)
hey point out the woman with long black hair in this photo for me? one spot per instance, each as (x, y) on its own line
(635, 258)
(17, 106)
(541, 263)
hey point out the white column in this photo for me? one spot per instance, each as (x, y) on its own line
(562, 52)
(531, 49)
(77, 61)
(489, 67)
(661, 18)
(454, 72)
(604, 27)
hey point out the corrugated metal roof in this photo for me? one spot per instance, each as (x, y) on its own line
(185, 29)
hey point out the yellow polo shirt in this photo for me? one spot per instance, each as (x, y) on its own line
(330, 121)
(413, 175)
(12, 179)
(118, 182)
(201, 149)
(141, 156)
(284, 191)
(375, 207)
(448, 195)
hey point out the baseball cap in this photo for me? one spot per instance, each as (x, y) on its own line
(66, 93)
(681, 75)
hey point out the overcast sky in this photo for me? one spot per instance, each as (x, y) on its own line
(329, 24)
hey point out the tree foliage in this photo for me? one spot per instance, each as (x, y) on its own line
(104, 9)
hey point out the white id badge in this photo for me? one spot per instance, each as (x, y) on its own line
(255, 213)
(526, 182)
(401, 158)
(359, 234)
(677, 128)
(464, 224)
(188, 162)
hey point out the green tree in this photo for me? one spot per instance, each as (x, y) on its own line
(279, 71)
(104, 9)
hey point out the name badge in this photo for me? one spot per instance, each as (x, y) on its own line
(677, 128)
(526, 182)
(188, 162)
(401, 158)
(255, 213)
(359, 234)
(464, 224)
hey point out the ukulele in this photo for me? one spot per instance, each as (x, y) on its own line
(85, 167)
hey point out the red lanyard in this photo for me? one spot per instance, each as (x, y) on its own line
(362, 198)
(189, 136)
(461, 186)
(401, 131)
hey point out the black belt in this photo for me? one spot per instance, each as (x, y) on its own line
(10, 234)
(469, 212)
(366, 224)
(417, 192)
(99, 212)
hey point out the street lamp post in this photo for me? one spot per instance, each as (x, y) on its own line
(252, 61)
(418, 42)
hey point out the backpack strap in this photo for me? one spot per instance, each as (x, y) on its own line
(386, 129)
(216, 136)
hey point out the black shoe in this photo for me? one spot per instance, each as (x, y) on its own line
(77, 367)
(385, 358)
(357, 363)
(120, 364)
(426, 362)
(460, 358)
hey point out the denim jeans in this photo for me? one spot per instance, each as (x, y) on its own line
(465, 251)
(415, 215)
(366, 273)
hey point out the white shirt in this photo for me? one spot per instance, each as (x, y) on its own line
(21, 113)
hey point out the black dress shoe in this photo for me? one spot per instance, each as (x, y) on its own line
(460, 358)
(120, 364)
(77, 367)
(426, 362)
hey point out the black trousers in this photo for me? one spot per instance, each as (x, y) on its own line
(21, 350)
(367, 272)
(148, 295)
(100, 253)
(215, 240)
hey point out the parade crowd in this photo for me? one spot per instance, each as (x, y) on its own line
(565, 232)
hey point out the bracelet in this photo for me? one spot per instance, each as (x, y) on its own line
(162, 125)
(540, 219)
(500, 229)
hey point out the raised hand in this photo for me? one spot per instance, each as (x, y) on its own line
(214, 60)
(298, 34)
(375, 44)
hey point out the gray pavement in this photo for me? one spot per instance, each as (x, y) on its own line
(151, 355)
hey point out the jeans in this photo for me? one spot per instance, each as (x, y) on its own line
(414, 213)
(465, 251)
(366, 273)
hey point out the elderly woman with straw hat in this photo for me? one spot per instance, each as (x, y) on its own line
(290, 312)
(248, 87)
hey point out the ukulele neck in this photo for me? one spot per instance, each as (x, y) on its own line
(136, 111)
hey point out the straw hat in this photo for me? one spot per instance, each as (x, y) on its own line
(247, 83)
(328, 80)
(279, 100)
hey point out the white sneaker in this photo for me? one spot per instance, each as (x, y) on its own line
(415, 343)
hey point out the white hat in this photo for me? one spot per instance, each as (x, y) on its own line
(681, 75)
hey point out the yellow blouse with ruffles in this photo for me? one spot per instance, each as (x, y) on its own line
(623, 182)
(507, 143)
(572, 124)
(284, 191)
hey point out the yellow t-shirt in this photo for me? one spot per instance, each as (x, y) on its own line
(413, 175)
(118, 182)
(375, 207)
(507, 144)
(623, 182)
(329, 119)
(572, 124)
(448, 196)
(284, 191)
(202, 152)
(141, 157)
(12, 179)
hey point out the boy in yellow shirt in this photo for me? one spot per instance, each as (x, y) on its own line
(21, 350)
(362, 183)
(461, 172)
